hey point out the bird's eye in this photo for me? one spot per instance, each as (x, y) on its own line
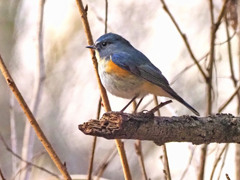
(104, 44)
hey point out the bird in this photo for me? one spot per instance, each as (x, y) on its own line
(127, 73)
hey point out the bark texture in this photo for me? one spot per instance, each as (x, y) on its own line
(219, 128)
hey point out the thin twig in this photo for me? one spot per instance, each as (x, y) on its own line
(97, 15)
(112, 153)
(25, 161)
(220, 16)
(28, 140)
(106, 16)
(187, 68)
(159, 106)
(203, 154)
(217, 161)
(234, 80)
(94, 143)
(223, 106)
(184, 37)
(230, 53)
(87, 30)
(228, 39)
(237, 146)
(227, 176)
(223, 162)
(189, 163)
(1, 175)
(138, 148)
(26, 166)
(211, 60)
(214, 28)
(138, 145)
(41, 136)
(165, 156)
(119, 143)
(13, 132)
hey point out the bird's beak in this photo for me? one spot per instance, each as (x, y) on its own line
(91, 47)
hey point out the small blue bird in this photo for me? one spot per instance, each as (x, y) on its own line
(126, 72)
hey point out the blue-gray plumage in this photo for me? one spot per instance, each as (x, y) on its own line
(126, 72)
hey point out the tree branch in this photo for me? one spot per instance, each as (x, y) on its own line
(220, 128)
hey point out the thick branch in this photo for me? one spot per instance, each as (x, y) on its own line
(220, 128)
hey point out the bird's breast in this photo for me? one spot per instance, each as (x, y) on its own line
(117, 80)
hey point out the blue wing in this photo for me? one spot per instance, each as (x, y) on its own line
(137, 63)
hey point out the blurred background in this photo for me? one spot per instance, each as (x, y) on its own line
(70, 95)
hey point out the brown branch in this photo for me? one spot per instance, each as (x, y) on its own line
(184, 37)
(106, 16)
(83, 13)
(119, 143)
(90, 168)
(138, 145)
(138, 149)
(164, 148)
(33, 121)
(220, 128)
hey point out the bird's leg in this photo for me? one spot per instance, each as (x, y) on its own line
(125, 107)
(138, 104)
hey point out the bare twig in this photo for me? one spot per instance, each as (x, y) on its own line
(214, 28)
(112, 153)
(99, 106)
(228, 39)
(25, 161)
(227, 176)
(33, 121)
(189, 163)
(13, 133)
(138, 148)
(187, 68)
(87, 30)
(223, 162)
(94, 143)
(230, 52)
(28, 141)
(222, 107)
(1, 175)
(237, 146)
(165, 156)
(184, 37)
(106, 16)
(138, 145)
(217, 161)
(202, 162)
(159, 106)
(119, 143)
(233, 77)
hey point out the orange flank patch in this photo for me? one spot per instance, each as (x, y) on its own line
(111, 67)
(151, 88)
